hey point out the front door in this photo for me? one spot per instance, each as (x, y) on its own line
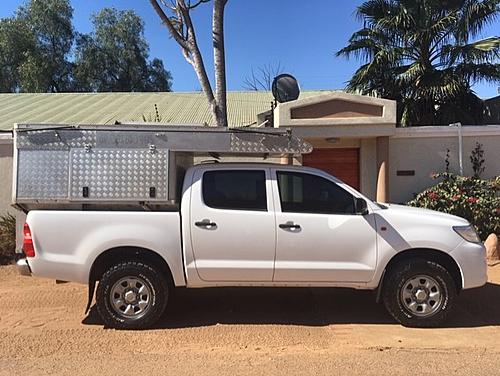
(319, 237)
(233, 225)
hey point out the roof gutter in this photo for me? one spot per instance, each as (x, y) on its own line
(444, 131)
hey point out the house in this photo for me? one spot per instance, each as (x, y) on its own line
(492, 105)
(354, 137)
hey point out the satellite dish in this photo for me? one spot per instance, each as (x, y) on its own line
(285, 88)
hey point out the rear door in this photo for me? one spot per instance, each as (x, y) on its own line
(233, 225)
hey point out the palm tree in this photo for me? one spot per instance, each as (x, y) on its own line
(421, 53)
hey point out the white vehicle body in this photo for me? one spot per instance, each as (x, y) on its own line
(248, 247)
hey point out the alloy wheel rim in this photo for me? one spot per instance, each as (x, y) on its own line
(422, 295)
(131, 297)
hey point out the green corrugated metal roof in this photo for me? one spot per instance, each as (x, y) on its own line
(106, 108)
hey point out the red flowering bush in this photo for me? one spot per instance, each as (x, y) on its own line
(474, 199)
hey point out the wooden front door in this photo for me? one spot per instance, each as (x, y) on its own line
(342, 163)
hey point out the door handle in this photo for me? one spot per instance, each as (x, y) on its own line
(290, 225)
(205, 223)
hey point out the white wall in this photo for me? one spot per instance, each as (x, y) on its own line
(5, 177)
(6, 150)
(425, 152)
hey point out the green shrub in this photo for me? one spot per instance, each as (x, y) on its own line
(474, 199)
(7, 238)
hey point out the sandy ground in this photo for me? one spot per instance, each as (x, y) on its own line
(43, 330)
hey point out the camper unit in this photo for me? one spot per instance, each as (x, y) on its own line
(126, 166)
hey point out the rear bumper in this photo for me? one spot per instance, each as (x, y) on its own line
(23, 268)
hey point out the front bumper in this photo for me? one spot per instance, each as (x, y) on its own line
(471, 258)
(23, 268)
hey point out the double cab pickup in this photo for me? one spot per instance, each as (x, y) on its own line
(251, 225)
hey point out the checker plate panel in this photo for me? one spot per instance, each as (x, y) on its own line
(44, 175)
(119, 174)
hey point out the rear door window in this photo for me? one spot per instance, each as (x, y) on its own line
(235, 189)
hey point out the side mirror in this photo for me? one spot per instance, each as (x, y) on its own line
(360, 206)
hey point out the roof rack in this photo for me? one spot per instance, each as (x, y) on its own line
(174, 137)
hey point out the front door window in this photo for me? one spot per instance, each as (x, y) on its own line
(306, 193)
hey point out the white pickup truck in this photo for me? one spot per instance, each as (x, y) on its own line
(258, 225)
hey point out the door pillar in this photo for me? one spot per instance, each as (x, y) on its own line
(383, 169)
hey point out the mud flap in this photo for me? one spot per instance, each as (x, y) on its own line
(379, 288)
(91, 294)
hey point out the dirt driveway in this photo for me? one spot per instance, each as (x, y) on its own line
(243, 331)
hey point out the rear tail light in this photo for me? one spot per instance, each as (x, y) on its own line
(28, 248)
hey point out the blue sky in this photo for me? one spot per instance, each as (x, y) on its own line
(301, 35)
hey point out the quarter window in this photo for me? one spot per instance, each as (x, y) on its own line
(235, 189)
(306, 193)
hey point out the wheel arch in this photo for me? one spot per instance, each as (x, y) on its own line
(429, 254)
(124, 253)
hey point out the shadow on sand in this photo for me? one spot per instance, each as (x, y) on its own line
(305, 306)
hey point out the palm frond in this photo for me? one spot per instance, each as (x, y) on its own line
(372, 11)
(485, 72)
(364, 49)
(481, 51)
(418, 52)
(474, 16)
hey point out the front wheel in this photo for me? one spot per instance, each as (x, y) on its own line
(419, 293)
(131, 295)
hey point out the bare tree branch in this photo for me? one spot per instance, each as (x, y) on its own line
(197, 3)
(181, 28)
(171, 7)
(168, 23)
(263, 78)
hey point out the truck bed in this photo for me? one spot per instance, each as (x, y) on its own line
(68, 242)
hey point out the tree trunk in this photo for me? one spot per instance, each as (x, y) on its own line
(219, 62)
(199, 67)
(186, 38)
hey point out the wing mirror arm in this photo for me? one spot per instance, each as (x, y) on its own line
(360, 206)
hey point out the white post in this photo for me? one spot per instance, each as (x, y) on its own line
(460, 147)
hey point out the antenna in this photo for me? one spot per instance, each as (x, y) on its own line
(285, 88)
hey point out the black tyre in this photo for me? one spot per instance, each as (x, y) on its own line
(132, 295)
(419, 293)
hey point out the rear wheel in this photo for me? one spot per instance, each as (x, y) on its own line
(419, 293)
(132, 295)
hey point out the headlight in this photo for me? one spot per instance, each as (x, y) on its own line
(468, 233)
